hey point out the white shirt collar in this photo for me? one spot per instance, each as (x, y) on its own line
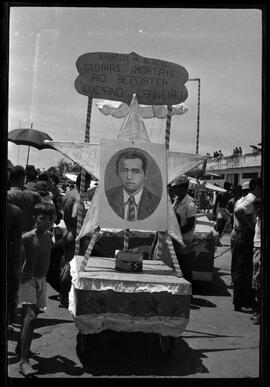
(137, 196)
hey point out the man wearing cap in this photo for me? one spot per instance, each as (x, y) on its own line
(185, 210)
(30, 177)
(242, 248)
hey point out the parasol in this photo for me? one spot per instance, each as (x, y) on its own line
(30, 137)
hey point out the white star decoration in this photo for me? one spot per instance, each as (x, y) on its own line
(87, 156)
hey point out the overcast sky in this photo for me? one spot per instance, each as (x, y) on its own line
(222, 47)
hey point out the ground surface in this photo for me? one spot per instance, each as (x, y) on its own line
(217, 343)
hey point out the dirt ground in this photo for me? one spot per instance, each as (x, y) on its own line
(217, 343)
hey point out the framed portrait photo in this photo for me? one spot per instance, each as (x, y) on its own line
(133, 185)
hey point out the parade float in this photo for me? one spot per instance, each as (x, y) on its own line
(129, 291)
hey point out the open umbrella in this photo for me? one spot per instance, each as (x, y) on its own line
(30, 137)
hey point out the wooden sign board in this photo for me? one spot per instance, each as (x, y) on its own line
(117, 77)
(123, 173)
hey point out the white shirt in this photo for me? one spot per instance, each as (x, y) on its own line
(257, 235)
(245, 203)
(137, 198)
(186, 209)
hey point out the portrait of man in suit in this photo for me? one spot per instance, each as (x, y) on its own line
(132, 200)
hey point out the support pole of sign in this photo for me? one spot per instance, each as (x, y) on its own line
(83, 174)
(168, 127)
(198, 112)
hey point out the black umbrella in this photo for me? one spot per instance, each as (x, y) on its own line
(30, 137)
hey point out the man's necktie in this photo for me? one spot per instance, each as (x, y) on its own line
(131, 208)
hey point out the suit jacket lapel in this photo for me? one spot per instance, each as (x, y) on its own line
(118, 203)
(145, 205)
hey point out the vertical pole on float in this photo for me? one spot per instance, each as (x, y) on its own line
(168, 127)
(167, 144)
(83, 174)
(198, 197)
(126, 239)
(89, 248)
(167, 238)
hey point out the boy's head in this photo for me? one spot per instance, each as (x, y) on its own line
(44, 216)
(255, 186)
(180, 186)
(227, 185)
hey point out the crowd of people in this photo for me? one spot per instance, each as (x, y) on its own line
(237, 151)
(218, 154)
(241, 209)
(238, 208)
(37, 204)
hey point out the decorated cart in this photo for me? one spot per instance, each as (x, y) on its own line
(128, 291)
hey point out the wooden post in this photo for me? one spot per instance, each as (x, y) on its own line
(126, 239)
(83, 174)
(198, 197)
(173, 256)
(89, 248)
(168, 127)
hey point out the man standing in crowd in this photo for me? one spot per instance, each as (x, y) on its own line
(71, 203)
(242, 251)
(256, 278)
(219, 210)
(14, 219)
(30, 177)
(37, 245)
(23, 198)
(238, 193)
(185, 210)
(57, 197)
